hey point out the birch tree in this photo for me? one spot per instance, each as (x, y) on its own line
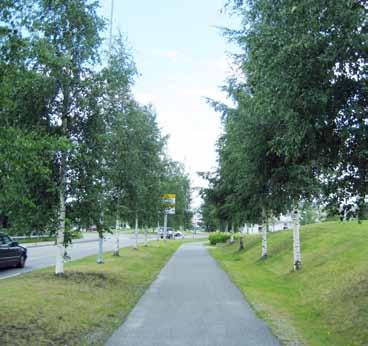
(296, 239)
(67, 50)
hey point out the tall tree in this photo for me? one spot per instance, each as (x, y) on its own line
(66, 38)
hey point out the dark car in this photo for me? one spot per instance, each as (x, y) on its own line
(11, 253)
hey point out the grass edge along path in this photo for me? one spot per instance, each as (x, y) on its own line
(326, 303)
(84, 306)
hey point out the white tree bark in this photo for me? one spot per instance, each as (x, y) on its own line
(145, 236)
(136, 232)
(264, 237)
(165, 226)
(59, 265)
(60, 249)
(101, 226)
(100, 259)
(241, 240)
(117, 244)
(296, 240)
(232, 233)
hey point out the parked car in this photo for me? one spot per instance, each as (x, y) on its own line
(169, 235)
(178, 235)
(11, 253)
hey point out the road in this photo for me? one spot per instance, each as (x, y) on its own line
(44, 256)
(193, 302)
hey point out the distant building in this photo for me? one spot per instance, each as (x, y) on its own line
(283, 222)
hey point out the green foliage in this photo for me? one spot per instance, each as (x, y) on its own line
(298, 127)
(71, 131)
(218, 237)
(175, 180)
(27, 189)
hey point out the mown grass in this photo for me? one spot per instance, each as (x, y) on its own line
(326, 303)
(84, 306)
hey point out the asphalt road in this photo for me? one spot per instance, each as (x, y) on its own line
(193, 303)
(44, 256)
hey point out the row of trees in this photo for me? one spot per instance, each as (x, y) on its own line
(298, 132)
(76, 148)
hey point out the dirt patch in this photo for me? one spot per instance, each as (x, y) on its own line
(91, 279)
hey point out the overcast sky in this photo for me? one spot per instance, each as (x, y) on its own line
(182, 58)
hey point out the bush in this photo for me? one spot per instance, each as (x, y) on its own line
(218, 237)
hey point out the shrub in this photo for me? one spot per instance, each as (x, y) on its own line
(218, 237)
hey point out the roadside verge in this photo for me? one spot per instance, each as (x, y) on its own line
(85, 305)
(323, 304)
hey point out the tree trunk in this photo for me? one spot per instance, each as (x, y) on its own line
(100, 259)
(60, 249)
(264, 237)
(59, 266)
(117, 245)
(165, 226)
(145, 236)
(232, 233)
(136, 232)
(296, 240)
(241, 242)
(100, 230)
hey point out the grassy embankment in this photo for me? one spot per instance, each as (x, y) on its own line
(85, 305)
(326, 303)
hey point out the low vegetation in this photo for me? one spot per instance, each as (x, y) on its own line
(326, 303)
(218, 237)
(84, 306)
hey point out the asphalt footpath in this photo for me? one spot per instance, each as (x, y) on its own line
(192, 303)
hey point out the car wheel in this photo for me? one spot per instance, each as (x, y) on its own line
(22, 262)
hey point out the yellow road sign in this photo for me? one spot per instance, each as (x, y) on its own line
(168, 201)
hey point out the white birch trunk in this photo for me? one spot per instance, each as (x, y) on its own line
(165, 226)
(59, 265)
(264, 238)
(241, 241)
(117, 245)
(101, 226)
(296, 240)
(158, 230)
(145, 236)
(232, 233)
(60, 249)
(100, 259)
(136, 232)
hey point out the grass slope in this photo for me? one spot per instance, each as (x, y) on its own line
(324, 304)
(85, 305)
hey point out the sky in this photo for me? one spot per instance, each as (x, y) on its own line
(182, 59)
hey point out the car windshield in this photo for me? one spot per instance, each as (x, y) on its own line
(4, 239)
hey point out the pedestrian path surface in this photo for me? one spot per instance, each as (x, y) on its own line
(192, 303)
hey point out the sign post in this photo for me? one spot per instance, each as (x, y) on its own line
(168, 202)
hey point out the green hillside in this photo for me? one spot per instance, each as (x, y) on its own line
(324, 304)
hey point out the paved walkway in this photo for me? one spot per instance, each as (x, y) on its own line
(192, 303)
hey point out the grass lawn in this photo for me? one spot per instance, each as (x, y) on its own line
(85, 305)
(326, 303)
